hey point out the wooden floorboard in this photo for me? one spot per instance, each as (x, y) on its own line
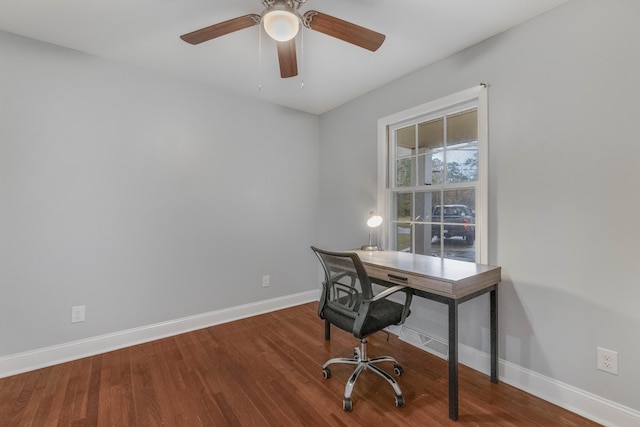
(261, 371)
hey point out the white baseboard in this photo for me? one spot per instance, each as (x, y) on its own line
(586, 404)
(48, 356)
(581, 402)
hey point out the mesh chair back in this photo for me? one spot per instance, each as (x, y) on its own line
(346, 282)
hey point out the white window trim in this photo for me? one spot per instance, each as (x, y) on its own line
(476, 93)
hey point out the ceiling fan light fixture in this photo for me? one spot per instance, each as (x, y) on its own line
(281, 25)
(282, 21)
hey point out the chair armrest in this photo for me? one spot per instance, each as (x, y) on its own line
(388, 292)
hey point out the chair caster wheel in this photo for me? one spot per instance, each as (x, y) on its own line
(326, 372)
(397, 369)
(399, 401)
(347, 405)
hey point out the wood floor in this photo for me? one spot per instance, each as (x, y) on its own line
(261, 371)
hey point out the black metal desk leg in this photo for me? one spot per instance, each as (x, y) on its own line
(453, 360)
(493, 297)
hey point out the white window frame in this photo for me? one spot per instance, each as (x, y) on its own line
(476, 95)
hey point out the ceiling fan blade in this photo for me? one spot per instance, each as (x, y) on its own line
(287, 58)
(221, 29)
(343, 30)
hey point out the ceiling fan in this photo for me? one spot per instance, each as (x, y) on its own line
(281, 20)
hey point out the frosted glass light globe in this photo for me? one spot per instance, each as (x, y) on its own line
(281, 25)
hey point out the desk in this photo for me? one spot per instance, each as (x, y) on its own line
(447, 281)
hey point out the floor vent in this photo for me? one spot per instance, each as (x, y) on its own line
(434, 345)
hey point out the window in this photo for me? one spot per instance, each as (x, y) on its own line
(433, 177)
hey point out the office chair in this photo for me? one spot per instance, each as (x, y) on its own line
(348, 302)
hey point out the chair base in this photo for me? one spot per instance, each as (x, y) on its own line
(362, 362)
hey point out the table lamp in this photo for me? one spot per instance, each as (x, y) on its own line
(373, 222)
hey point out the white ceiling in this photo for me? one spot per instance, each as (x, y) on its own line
(146, 33)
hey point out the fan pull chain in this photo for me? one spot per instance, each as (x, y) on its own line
(259, 58)
(302, 60)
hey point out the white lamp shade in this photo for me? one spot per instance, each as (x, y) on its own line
(281, 25)
(374, 221)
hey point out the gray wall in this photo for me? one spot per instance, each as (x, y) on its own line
(564, 170)
(143, 197)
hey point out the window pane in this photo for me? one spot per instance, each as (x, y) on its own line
(462, 127)
(403, 207)
(405, 141)
(425, 203)
(430, 169)
(403, 237)
(462, 147)
(423, 233)
(431, 136)
(462, 164)
(425, 243)
(405, 176)
(460, 248)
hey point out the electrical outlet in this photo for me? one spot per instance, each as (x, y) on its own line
(77, 313)
(266, 281)
(608, 360)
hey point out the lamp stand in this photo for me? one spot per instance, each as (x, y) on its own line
(370, 246)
